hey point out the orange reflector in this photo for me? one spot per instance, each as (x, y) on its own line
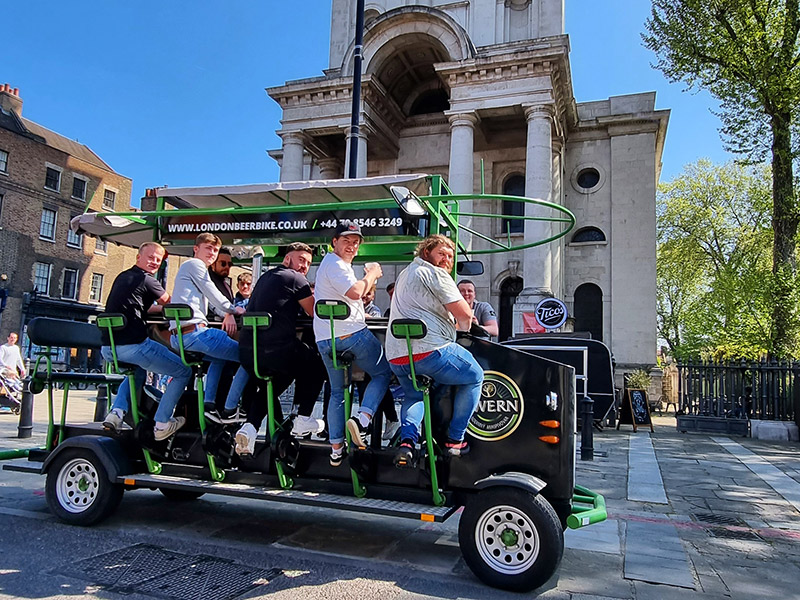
(550, 424)
(549, 439)
(129, 482)
(424, 517)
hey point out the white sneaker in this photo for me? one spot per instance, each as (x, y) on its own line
(163, 430)
(246, 440)
(304, 425)
(389, 429)
(114, 419)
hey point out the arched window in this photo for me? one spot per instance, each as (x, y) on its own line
(514, 186)
(589, 310)
(588, 234)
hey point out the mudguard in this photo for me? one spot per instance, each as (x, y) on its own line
(523, 481)
(107, 450)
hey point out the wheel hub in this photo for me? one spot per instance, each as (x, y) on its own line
(77, 485)
(507, 539)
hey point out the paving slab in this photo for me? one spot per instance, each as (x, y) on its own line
(654, 553)
(644, 476)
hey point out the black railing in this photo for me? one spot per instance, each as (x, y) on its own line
(753, 390)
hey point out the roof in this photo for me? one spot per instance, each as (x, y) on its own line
(60, 142)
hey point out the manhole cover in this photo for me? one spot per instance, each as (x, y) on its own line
(733, 534)
(154, 571)
(716, 519)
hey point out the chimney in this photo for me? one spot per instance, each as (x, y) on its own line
(10, 100)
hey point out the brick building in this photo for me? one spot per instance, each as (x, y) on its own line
(45, 180)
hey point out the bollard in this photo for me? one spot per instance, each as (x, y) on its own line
(25, 427)
(587, 435)
(101, 403)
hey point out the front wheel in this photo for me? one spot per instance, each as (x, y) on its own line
(511, 539)
(78, 489)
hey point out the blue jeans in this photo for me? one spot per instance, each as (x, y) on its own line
(218, 349)
(449, 365)
(149, 355)
(368, 354)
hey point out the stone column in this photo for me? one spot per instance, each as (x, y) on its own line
(330, 168)
(361, 166)
(460, 178)
(537, 261)
(292, 164)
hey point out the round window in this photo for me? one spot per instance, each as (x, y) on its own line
(588, 178)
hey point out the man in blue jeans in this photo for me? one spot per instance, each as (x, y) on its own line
(193, 286)
(336, 280)
(134, 293)
(425, 290)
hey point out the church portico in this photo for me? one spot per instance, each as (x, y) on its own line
(450, 86)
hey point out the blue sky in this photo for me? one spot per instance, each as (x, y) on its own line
(173, 92)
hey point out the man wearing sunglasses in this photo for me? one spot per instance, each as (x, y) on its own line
(220, 274)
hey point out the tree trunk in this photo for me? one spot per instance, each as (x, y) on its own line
(784, 226)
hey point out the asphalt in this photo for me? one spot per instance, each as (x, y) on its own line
(689, 515)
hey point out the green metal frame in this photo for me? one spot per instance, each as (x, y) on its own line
(587, 507)
(409, 331)
(263, 321)
(176, 312)
(110, 322)
(333, 310)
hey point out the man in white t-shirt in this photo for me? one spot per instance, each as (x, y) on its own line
(336, 280)
(425, 290)
(10, 357)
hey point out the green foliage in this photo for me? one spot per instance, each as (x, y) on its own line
(638, 380)
(747, 54)
(714, 278)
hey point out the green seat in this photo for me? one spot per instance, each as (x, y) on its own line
(337, 310)
(259, 323)
(414, 329)
(182, 313)
(113, 322)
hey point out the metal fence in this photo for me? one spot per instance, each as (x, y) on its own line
(754, 390)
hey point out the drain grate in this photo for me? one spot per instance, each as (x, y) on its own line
(733, 534)
(154, 571)
(716, 519)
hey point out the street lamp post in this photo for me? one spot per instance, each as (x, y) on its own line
(358, 57)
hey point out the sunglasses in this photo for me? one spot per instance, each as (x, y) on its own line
(225, 263)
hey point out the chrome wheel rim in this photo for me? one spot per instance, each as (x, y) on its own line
(507, 539)
(77, 485)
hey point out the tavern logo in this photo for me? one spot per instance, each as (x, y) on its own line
(500, 408)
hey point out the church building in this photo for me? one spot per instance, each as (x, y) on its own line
(480, 91)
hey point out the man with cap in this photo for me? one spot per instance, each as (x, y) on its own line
(336, 280)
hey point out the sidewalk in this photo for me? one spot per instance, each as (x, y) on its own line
(689, 514)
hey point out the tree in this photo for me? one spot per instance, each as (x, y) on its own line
(747, 54)
(713, 264)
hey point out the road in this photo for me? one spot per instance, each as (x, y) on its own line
(689, 516)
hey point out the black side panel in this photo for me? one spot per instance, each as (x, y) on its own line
(44, 331)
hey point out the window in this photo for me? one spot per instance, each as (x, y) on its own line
(3, 161)
(588, 234)
(96, 291)
(41, 277)
(109, 197)
(101, 246)
(47, 226)
(514, 186)
(73, 239)
(52, 180)
(589, 310)
(78, 188)
(69, 287)
(588, 178)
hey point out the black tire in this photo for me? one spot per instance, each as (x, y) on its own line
(180, 495)
(78, 489)
(511, 539)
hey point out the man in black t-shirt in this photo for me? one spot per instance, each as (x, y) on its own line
(133, 294)
(282, 292)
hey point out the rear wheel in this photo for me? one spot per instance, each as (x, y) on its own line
(180, 495)
(511, 539)
(78, 489)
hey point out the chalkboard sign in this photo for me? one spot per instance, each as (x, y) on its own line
(635, 410)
